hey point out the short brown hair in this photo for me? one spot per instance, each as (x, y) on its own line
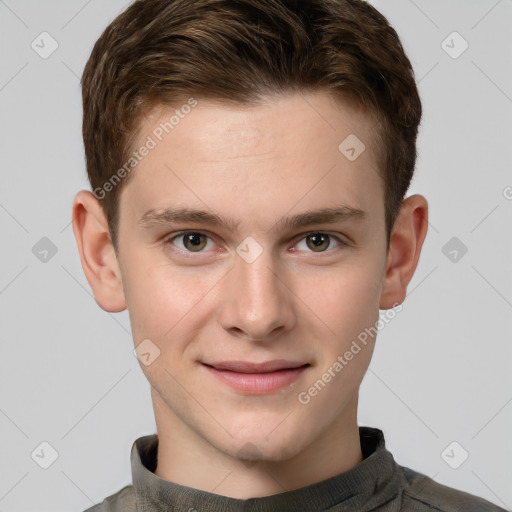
(165, 51)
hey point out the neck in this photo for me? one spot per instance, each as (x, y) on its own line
(187, 459)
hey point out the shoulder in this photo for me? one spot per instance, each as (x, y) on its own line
(121, 501)
(421, 493)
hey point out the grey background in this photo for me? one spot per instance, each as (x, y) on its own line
(442, 368)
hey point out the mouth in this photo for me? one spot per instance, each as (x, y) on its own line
(257, 378)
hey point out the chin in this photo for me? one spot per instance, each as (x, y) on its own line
(276, 447)
(272, 435)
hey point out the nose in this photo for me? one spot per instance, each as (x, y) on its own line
(258, 303)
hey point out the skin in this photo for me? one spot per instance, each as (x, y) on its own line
(293, 302)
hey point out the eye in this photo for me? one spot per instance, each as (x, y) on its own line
(197, 242)
(192, 241)
(319, 241)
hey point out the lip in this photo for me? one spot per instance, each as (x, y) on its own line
(257, 378)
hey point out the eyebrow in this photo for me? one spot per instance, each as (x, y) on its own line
(344, 213)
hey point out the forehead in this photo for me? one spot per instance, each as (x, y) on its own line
(287, 153)
(294, 116)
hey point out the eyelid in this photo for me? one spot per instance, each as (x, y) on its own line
(342, 241)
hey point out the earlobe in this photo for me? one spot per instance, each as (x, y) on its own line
(406, 241)
(97, 254)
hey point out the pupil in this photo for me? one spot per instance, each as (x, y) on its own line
(318, 240)
(194, 238)
(193, 241)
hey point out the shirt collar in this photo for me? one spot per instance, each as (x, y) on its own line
(374, 481)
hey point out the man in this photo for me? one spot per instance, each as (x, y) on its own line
(249, 162)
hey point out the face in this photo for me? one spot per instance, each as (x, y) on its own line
(251, 307)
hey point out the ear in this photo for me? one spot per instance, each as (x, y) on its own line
(405, 246)
(97, 254)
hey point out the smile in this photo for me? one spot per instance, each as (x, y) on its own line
(256, 378)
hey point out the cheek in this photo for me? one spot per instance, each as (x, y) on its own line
(160, 298)
(345, 300)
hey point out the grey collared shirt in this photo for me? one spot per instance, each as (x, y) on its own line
(377, 483)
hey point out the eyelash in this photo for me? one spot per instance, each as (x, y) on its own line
(169, 241)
